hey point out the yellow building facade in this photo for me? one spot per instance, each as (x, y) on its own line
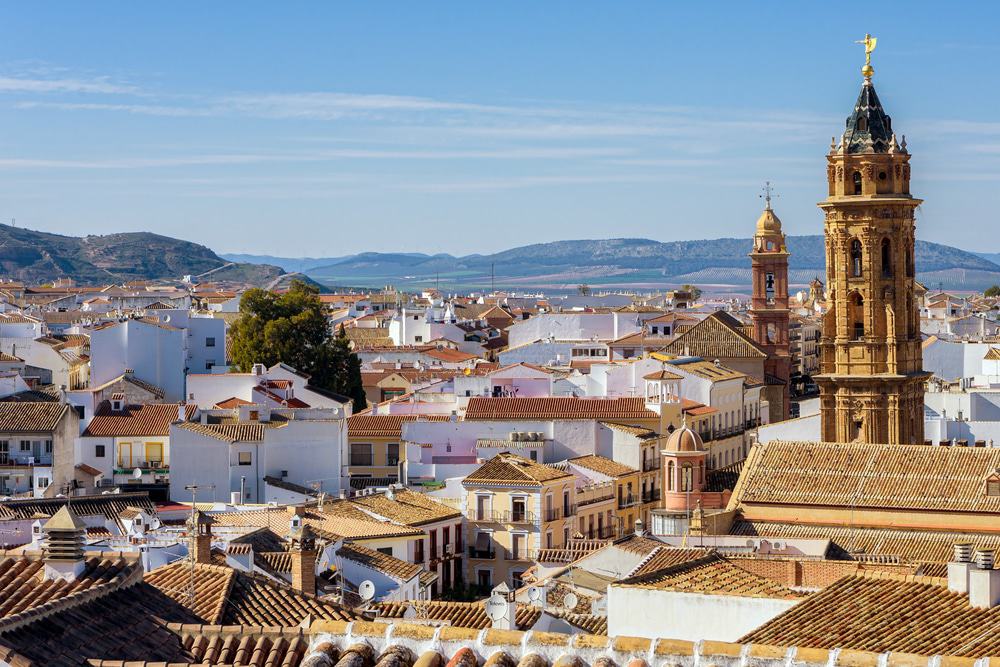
(514, 508)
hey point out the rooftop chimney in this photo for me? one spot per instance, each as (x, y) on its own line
(638, 527)
(200, 527)
(984, 581)
(958, 569)
(303, 553)
(64, 544)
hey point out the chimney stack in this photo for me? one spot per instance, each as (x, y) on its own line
(984, 581)
(64, 543)
(958, 569)
(303, 553)
(200, 526)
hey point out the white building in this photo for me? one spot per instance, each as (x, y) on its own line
(230, 452)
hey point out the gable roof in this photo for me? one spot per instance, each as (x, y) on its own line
(484, 408)
(859, 475)
(718, 336)
(31, 416)
(392, 567)
(713, 575)
(384, 426)
(457, 614)
(883, 612)
(603, 465)
(407, 507)
(513, 470)
(135, 420)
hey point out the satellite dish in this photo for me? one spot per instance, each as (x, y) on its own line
(570, 601)
(535, 594)
(137, 473)
(366, 590)
(496, 607)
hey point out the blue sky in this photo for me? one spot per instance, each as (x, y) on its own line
(323, 129)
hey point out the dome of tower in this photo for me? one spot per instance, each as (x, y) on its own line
(768, 223)
(684, 440)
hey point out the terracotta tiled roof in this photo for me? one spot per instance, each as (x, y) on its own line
(637, 431)
(109, 506)
(862, 475)
(602, 409)
(135, 420)
(384, 426)
(906, 546)
(238, 432)
(717, 336)
(513, 470)
(131, 379)
(231, 597)
(24, 586)
(338, 519)
(407, 507)
(666, 557)
(392, 567)
(603, 465)
(883, 613)
(458, 614)
(30, 417)
(712, 574)
(231, 403)
(993, 354)
(448, 355)
(708, 370)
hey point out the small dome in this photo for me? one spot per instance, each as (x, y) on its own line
(768, 223)
(684, 440)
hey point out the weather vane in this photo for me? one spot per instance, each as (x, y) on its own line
(768, 193)
(869, 43)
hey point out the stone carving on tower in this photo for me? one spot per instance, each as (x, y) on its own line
(769, 306)
(871, 380)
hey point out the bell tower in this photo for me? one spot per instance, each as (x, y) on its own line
(769, 305)
(871, 381)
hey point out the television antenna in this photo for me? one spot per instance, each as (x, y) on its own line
(366, 590)
(497, 607)
(193, 488)
(570, 601)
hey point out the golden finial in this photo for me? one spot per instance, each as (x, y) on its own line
(869, 43)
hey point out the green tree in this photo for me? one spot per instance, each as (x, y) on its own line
(583, 289)
(694, 291)
(992, 291)
(292, 328)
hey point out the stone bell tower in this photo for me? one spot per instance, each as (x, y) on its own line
(871, 380)
(769, 306)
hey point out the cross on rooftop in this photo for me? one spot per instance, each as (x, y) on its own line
(768, 193)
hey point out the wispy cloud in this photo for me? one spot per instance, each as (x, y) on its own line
(92, 86)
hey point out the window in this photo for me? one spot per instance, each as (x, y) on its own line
(418, 339)
(516, 578)
(856, 258)
(517, 546)
(484, 578)
(993, 487)
(857, 182)
(670, 475)
(434, 544)
(418, 552)
(210, 341)
(245, 458)
(392, 454)
(26, 445)
(862, 124)
(687, 478)
(99, 451)
(48, 446)
(858, 316)
(361, 454)
(445, 538)
(458, 538)
(886, 258)
(384, 550)
(209, 363)
(81, 411)
(42, 482)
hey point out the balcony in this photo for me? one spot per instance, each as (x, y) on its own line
(489, 554)
(595, 493)
(508, 516)
(557, 513)
(651, 464)
(628, 501)
(520, 555)
(651, 496)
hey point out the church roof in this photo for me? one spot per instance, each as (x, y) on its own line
(716, 336)
(874, 134)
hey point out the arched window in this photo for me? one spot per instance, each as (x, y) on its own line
(670, 475)
(909, 262)
(856, 258)
(886, 258)
(857, 182)
(858, 316)
(862, 124)
(687, 478)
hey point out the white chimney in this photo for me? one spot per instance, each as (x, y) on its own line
(984, 581)
(234, 498)
(181, 411)
(958, 569)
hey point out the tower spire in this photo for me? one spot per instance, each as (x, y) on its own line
(768, 193)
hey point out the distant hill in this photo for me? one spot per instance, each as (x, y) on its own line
(39, 257)
(635, 263)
